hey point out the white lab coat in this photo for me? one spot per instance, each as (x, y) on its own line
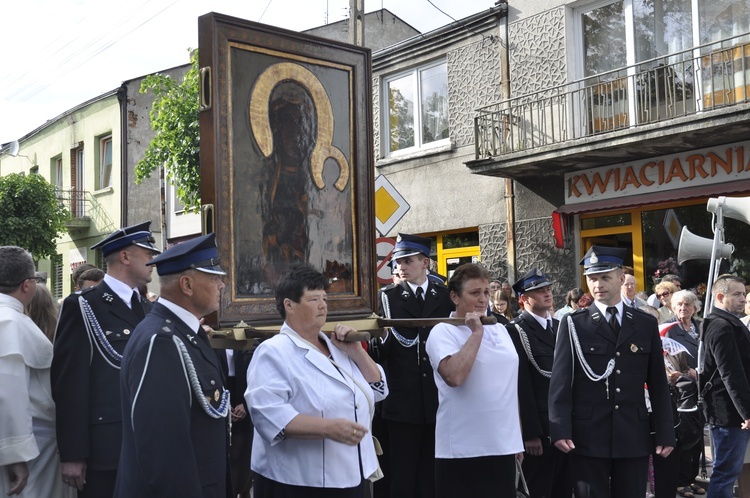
(287, 377)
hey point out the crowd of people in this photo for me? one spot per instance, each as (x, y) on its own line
(115, 395)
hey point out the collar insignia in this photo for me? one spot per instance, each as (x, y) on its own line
(404, 294)
(433, 293)
(108, 297)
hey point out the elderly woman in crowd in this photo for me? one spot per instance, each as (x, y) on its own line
(311, 400)
(478, 430)
(501, 307)
(664, 292)
(685, 305)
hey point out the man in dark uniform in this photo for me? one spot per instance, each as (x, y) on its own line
(533, 333)
(410, 408)
(174, 404)
(92, 331)
(597, 412)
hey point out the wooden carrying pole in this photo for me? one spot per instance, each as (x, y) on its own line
(241, 337)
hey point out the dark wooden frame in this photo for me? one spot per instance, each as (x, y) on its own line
(224, 43)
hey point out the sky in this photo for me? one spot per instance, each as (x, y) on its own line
(57, 54)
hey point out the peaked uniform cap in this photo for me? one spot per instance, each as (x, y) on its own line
(532, 280)
(601, 259)
(411, 245)
(138, 235)
(199, 254)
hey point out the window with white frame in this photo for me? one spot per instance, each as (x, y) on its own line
(624, 32)
(416, 114)
(105, 162)
(59, 174)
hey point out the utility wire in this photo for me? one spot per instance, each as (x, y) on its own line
(265, 10)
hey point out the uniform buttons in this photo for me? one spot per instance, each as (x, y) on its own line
(617, 371)
(591, 349)
(126, 332)
(101, 418)
(424, 375)
(617, 353)
(213, 382)
(617, 407)
(617, 390)
(424, 358)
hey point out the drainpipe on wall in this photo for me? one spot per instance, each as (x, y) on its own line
(510, 205)
(122, 97)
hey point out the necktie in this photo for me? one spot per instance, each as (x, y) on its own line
(549, 327)
(420, 297)
(136, 306)
(612, 310)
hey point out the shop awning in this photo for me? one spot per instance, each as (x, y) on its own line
(738, 189)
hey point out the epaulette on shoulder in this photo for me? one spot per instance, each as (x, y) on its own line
(86, 290)
(389, 287)
(579, 310)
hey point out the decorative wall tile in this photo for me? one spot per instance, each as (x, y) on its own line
(537, 52)
(474, 80)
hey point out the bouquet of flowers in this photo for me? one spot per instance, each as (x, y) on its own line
(666, 267)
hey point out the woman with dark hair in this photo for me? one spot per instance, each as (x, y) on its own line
(311, 399)
(478, 429)
(43, 311)
(571, 303)
(501, 307)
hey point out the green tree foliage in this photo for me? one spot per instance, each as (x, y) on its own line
(174, 118)
(30, 214)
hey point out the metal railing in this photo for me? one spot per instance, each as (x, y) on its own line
(680, 84)
(77, 202)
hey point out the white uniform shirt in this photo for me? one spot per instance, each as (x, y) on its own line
(480, 417)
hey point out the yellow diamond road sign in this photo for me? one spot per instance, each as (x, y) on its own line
(390, 206)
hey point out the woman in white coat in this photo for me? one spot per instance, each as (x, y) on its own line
(311, 400)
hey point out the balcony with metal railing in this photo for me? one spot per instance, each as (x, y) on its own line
(78, 204)
(669, 103)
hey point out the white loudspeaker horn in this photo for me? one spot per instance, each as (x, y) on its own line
(696, 247)
(737, 208)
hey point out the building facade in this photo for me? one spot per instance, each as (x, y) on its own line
(426, 91)
(623, 118)
(79, 153)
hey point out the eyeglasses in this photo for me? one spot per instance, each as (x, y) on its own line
(663, 294)
(34, 278)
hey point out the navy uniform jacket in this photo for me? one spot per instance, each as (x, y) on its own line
(171, 446)
(533, 401)
(413, 396)
(728, 354)
(85, 377)
(619, 426)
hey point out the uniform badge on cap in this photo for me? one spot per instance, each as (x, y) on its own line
(594, 259)
(398, 238)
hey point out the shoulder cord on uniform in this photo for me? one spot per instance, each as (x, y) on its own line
(189, 367)
(527, 349)
(407, 343)
(95, 331)
(579, 353)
